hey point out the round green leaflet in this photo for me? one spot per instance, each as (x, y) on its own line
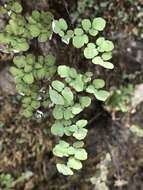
(78, 144)
(90, 89)
(67, 94)
(80, 154)
(101, 95)
(27, 113)
(16, 7)
(107, 46)
(34, 30)
(99, 23)
(107, 65)
(35, 104)
(50, 59)
(58, 112)
(97, 60)
(93, 32)
(28, 68)
(78, 41)
(90, 51)
(100, 40)
(76, 109)
(78, 32)
(73, 73)
(85, 101)
(28, 78)
(55, 97)
(19, 61)
(71, 150)
(81, 123)
(86, 24)
(106, 56)
(36, 15)
(68, 113)
(57, 129)
(63, 71)
(20, 45)
(43, 37)
(74, 164)
(80, 134)
(58, 85)
(98, 83)
(62, 24)
(78, 83)
(65, 170)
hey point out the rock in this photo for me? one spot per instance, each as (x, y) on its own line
(137, 97)
(7, 83)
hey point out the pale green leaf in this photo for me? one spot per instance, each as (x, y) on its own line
(99, 23)
(58, 85)
(81, 154)
(80, 133)
(85, 101)
(107, 65)
(78, 41)
(86, 24)
(16, 7)
(63, 24)
(81, 123)
(106, 56)
(55, 97)
(76, 109)
(58, 112)
(97, 60)
(63, 71)
(98, 83)
(78, 144)
(67, 94)
(93, 32)
(101, 95)
(57, 129)
(90, 52)
(78, 31)
(28, 78)
(73, 163)
(62, 168)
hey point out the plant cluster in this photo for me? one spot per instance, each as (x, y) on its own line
(120, 99)
(67, 91)
(21, 29)
(28, 71)
(99, 51)
(6, 181)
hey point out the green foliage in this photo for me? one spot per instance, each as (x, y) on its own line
(99, 52)
(14, 6)
(6, 181)
(60, 27)
(74, 79)
(20, 29)
(120, 98)
(28, 70)
(95, 88)
(136, 130)
(67, 91)
(76, 155)
(65, 127)
(39, 25)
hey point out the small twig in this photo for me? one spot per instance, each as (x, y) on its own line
(66, 8)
